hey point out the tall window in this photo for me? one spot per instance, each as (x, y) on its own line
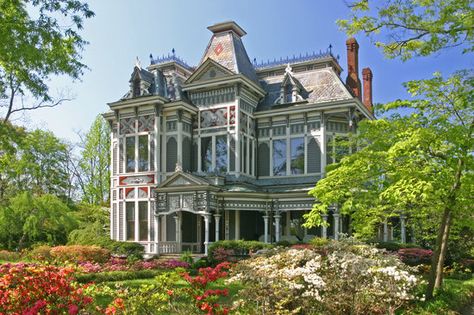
(136, 87)
(279, 157)
(143, 153)
(130, 154)
(130, 217)
(206, 154)
(297, 156)
(143, 220)
(221, 154)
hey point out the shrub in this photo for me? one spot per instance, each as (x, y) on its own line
(80, 253)
(239, 248)
(415, 256)
(394, 246)
(129, 249)
(40, 253)
(352, 279)
(9, 256)
(36, 289)
(319, 241)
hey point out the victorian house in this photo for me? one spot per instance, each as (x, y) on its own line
(229, 149)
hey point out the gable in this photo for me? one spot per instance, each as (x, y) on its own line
(180, 179)
(209, 70)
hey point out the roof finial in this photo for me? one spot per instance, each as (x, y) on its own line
(151, 58)
(330, 48)
(137, 63)
(173, 51)
(288, 69)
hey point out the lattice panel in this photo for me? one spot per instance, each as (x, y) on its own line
(146, 123)
(127, 125)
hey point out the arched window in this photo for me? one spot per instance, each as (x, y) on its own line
(171, 154)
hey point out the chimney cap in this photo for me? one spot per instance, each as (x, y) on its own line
(227, 26)
(366, 72)
(352, 41)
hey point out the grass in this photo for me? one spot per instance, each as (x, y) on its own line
(450, 300)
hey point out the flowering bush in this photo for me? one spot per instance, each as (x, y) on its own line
(80, 253)
(207, 299)
(29, 289)
(415, 256)
(350, 278)
(118, 264)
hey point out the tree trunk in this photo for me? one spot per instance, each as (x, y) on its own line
(437, 262)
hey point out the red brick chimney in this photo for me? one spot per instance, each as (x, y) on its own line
(352, 79)
(367, 79)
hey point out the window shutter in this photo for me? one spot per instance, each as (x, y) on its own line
(314, 157)
(171, 154)
(263, 160)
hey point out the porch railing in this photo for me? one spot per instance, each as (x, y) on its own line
(174, 247)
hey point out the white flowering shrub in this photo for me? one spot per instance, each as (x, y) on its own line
(344, 278)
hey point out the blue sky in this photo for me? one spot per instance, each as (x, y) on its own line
(123, 30)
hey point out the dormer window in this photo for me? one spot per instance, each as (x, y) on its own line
(136, 87)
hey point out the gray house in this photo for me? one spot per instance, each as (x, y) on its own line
(230, 148)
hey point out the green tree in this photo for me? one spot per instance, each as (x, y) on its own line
(33, 219)
(33, 161)
(419, 164)
(94, 164)
(407, 28)
(40, 38)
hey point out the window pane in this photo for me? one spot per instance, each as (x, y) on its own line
(130, 153)
(221, 154)
(142, 153)
(297, 156)
(130, 217)
(143, 220)
(279, 157)
(206, 154)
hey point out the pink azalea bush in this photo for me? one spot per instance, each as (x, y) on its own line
(118, 264)
(415, 256)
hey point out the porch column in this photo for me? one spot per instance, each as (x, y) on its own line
(385, 231)
(157, 234)
(226, 223)
(277, 227)
(206, 233)
(403, 228)
(324, 228)
(265, 228)
(335, 215)
(288, 223)
(217, 218)
(237, 224)
(177, 230)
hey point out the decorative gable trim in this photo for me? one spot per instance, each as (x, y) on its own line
(183, 179)
(205, 67)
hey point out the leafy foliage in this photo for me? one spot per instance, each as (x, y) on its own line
(39, 38)
(407, 28)
(94, 164)
(419, 164)
(30, 219)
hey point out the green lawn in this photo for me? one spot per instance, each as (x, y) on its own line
(455, 295)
